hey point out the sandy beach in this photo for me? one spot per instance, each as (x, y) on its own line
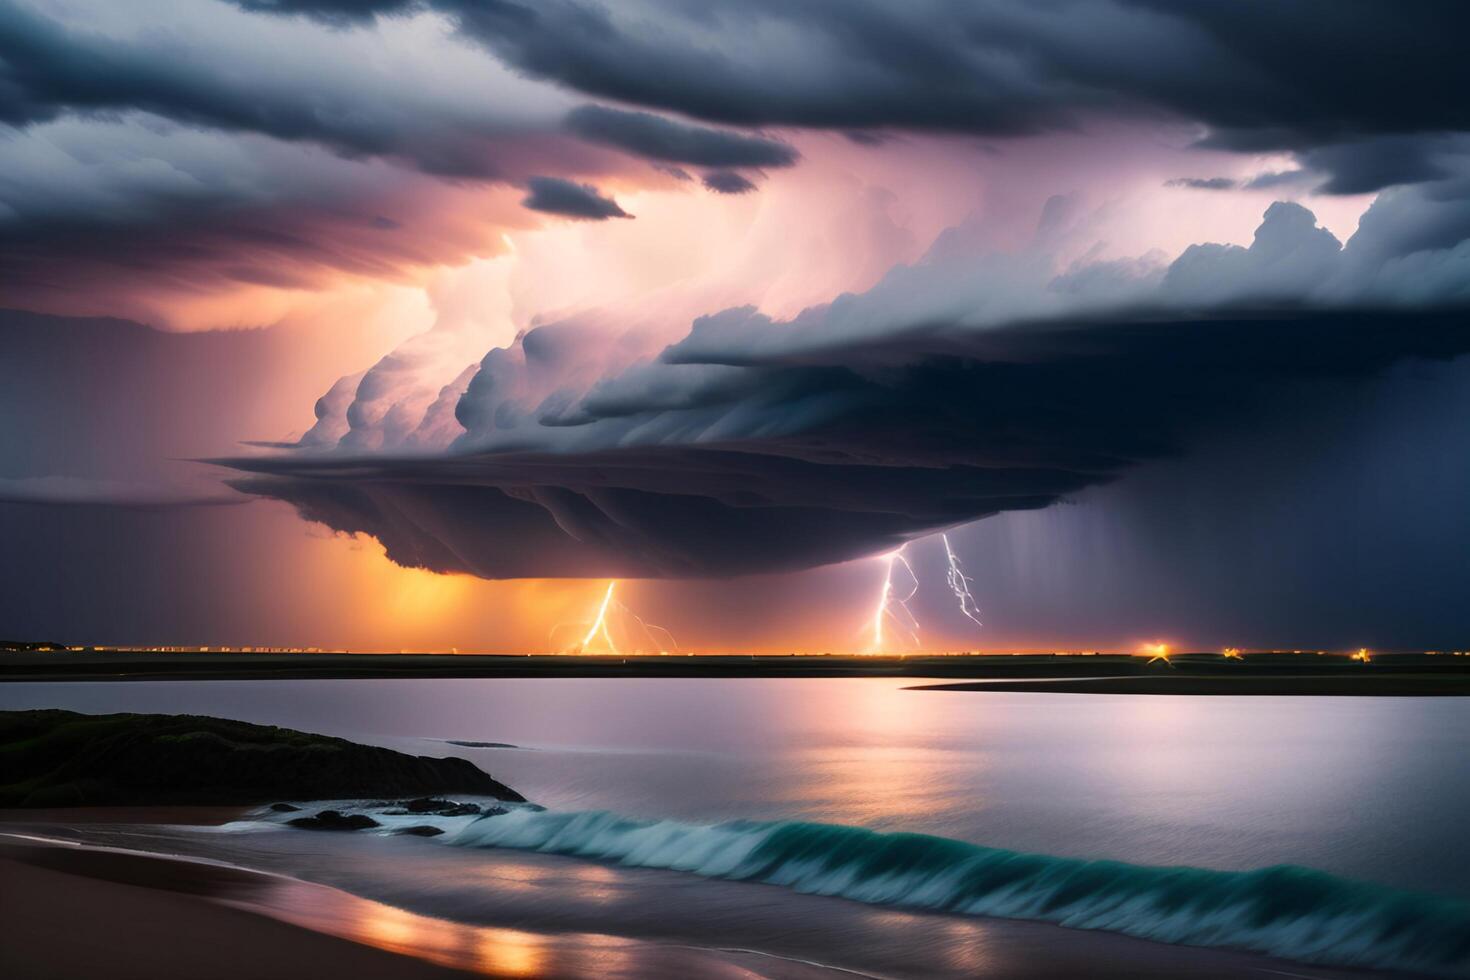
(68, 911)
(69, 907)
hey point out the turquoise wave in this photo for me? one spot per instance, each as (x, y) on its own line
(1293, 912)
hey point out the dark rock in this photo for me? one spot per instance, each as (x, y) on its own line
(284, 808)
(442, 808)
(494, 811)
(421, 831)
(62, 758)
(463, 810)
(333, 820)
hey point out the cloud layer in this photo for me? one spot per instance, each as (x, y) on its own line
(663, 139)
(1331, 81)
(556, 196)
(959, 387)
(283, 146)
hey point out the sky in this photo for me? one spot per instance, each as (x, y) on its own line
(815, 326)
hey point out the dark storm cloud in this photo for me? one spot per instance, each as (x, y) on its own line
(49, 69)
(727, 182)
(198, 232)
(1293, 76)
(335, 12)
(67, 491)
(754, 445)
(663, 139)
(1281, 178)
(557, 196)
(1203, 183)
(943, 441)
(1366, 166)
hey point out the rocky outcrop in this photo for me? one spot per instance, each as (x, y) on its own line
(421, 831)
(62, 758)
(334, 820)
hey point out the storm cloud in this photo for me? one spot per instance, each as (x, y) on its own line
(1308, 76)
(570, 199)
(306, 84)
(1204, 183)
(886, 458)
(958, 388)
(111, 109)
(663, 139)
(727, 182)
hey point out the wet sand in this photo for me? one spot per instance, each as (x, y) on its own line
(73, 912)
(87, 915)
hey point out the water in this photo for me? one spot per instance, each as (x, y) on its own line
(1359, 789)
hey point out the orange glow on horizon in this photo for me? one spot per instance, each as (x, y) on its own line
(372, 605)
(1155, 652)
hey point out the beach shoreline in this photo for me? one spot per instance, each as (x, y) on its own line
(69, 904)
(69, 909)
(493, 905)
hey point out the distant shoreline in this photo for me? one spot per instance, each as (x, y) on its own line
(1257, 685)
(1409, 674)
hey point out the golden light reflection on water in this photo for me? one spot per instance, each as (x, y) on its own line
(595, 882)
(890, 740)
(509, 877)
(966, 949)
(495, 951)
(857, 786)
(511, 952)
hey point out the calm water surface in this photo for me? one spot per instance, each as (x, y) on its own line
(1371, 788)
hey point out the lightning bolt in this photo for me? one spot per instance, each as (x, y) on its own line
(959, 584)
(599, 625)
(894, 609)
(631, 626)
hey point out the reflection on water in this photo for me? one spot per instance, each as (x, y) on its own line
(492, 951)
(513, 913)
(1220, 782)
(500, 951)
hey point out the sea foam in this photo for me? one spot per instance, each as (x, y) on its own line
(1285, 911)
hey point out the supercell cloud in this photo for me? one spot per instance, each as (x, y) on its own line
(957, 388)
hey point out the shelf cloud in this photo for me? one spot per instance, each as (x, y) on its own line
(959, 387)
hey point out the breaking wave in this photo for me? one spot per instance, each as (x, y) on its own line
(1285, 911)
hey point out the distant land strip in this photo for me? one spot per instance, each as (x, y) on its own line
(1370, 683)
(1250, 673)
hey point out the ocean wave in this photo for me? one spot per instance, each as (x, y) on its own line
(1293, 912)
